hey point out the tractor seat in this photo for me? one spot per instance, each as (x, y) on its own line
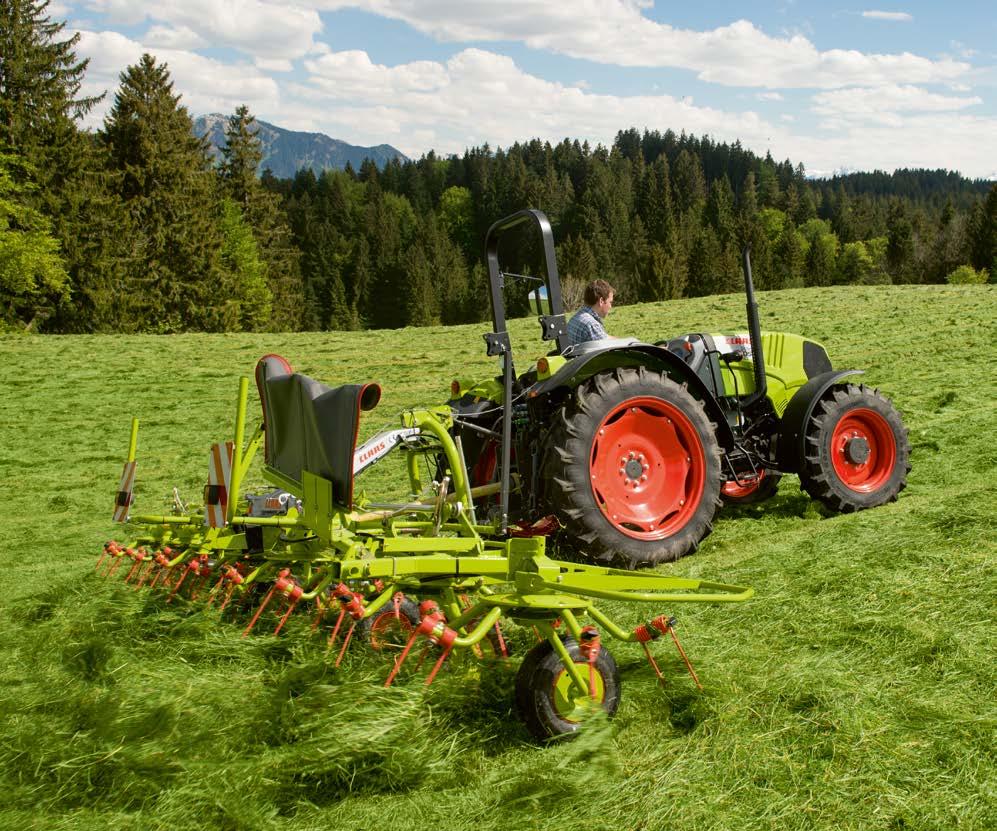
(310, 426)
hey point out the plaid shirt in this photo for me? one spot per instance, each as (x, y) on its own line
(586, 325)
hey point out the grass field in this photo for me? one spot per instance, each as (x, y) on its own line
(856, 691)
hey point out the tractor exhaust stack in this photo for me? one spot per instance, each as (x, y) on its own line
(755, 330)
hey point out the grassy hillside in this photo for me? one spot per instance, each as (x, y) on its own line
(856, 691)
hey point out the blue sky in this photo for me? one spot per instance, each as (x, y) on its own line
(872, 85)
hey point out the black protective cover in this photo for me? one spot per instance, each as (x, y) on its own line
(310, 426)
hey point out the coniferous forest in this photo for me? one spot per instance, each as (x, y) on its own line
(131, 228)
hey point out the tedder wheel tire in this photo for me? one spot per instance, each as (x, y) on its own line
(856, 451)
(387, 632)
(632, 469)
(545, 697)
(763, 488)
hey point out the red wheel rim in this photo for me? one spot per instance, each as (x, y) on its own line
(648, 468)
(734, 490)
(384, 625)
(868, 474)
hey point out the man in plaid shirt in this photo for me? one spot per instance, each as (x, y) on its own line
(586, 324)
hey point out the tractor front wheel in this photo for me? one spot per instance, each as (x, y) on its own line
(856, 451)
(632, 469)
(549, 703)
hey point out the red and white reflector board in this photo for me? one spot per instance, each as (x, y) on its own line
(219, 479)
(123, 500)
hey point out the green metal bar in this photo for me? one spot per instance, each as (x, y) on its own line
(469, 614)
(325, 581)
(404, 545)
(580, 682)
(146, 519)
(249, 455)
(478, 633)
(379, 602)
(574, 627)
(273, 521)
(425, 420)
(609, 626)
(722, 593)
(277, 478)
(133, 441)
(414, 476)
(237, 448)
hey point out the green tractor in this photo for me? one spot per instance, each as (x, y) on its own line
(633, 447)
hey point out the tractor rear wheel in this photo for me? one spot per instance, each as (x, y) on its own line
(856, 451)
(632, 469)
(547, 700)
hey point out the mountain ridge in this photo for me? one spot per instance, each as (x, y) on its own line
(285, 152)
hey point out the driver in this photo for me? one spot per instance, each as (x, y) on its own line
(586, 324)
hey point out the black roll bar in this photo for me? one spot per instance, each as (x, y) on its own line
(497, 341)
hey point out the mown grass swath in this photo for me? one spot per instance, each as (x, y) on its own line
(854, 691)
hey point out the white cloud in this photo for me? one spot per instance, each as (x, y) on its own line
(206, 85)
(274, 65)
(881, 102)
(263, 29)
(769, 96)
(615, 32)
(900, 17)
(466, 101)
(170, 38)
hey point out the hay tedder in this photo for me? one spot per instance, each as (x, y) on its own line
(425, 575)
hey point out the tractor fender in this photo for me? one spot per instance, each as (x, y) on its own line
(792, 427)
(634, 354)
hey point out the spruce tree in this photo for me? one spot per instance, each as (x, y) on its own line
(40, 79)
(32, 274)
(241, 158)
(983, 234)
(168, 186)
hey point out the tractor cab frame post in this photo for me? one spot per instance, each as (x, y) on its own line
(497, 341)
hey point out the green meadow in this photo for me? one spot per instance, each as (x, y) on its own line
(857, 690)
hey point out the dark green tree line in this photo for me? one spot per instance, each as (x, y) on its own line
(131, 228)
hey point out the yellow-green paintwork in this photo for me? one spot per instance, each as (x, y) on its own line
(784, 370)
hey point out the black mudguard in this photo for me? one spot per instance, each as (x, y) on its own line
(579, 369)
(792, 428)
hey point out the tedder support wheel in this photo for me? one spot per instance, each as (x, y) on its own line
(388, 632)
(856, 452)
(548, 702)
(632, 469)
(751, 493)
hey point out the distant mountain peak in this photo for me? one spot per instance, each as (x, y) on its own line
(285, 152)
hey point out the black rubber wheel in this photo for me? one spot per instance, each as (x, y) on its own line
(545, 697)
(857, 454)
(387, 632)
(765, 487)
(632, 469)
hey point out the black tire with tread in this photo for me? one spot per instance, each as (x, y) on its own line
(566, 471)
(408, 609)
(817, 474)
(535, 683)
